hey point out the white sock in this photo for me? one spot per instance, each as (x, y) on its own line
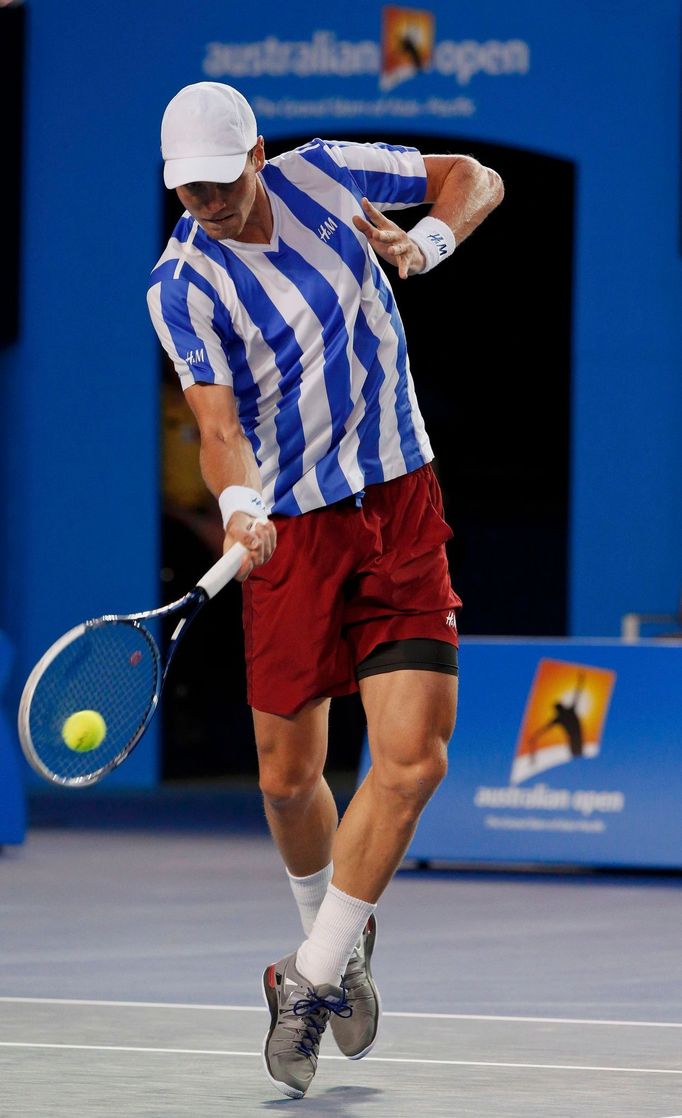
(338, 925)
(309, 893)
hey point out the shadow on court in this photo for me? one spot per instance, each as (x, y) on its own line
(337, 1100)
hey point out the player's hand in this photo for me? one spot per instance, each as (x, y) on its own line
(389, 241)
(259, 537)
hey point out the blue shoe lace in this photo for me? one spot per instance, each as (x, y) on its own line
(309, 1008)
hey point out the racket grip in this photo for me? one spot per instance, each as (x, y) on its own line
(222, 571)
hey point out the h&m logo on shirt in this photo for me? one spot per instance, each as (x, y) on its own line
(326, 229)
(195, 356)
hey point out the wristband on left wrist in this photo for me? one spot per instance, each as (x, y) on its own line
(435, 239)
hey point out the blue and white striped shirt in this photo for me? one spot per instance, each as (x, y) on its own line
(305, 329)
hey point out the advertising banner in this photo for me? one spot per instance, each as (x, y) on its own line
(387, 63)
(565, 752)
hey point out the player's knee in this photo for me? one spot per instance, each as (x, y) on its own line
(431, 773)
(289, 770)
(288, 788)
(412, 782)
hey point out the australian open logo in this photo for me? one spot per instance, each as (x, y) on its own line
(564, 719)
(407, 42)
(409, 46)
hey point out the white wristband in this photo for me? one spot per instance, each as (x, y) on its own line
(435, 239)
(239, 498)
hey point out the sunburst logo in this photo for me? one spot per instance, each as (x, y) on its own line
(564, 717)
(407, 39)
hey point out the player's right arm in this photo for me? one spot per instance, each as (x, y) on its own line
(226, 459)
(194, 329)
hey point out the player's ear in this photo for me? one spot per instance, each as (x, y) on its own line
(257, 154)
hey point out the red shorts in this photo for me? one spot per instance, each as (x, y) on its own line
(342, 580)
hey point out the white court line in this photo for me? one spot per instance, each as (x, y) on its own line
(386, 1013)
(368, 1059)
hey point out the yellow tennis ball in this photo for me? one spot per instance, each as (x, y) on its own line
(84, 730)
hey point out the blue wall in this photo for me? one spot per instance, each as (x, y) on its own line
(80, 407)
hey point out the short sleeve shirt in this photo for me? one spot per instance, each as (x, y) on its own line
(305, 329)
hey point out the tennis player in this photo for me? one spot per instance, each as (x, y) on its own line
(272, 302)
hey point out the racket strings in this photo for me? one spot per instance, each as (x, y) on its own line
(113, 668)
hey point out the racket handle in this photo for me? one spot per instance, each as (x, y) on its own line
(222, 571)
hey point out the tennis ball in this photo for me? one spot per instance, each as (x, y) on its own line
(84, 730)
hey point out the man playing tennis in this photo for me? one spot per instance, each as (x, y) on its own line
(272, 304)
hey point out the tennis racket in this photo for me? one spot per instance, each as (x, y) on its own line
(111, 665)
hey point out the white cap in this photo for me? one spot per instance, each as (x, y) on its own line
(206, 132)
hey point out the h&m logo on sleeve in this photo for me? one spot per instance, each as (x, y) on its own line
(195, 356)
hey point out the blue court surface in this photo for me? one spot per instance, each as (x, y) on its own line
(130, 982)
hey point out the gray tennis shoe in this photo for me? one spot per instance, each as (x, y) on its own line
(299, 1014)
(356, 1033)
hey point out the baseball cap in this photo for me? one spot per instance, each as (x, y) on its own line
(206, 132)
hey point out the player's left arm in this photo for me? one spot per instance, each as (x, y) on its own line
(461, 191)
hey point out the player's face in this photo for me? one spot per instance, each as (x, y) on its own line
(223, 208)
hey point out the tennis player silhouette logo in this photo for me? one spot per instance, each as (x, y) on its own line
(564, 717)
(407, 38)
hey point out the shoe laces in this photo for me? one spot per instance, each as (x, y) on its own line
(314, 1012)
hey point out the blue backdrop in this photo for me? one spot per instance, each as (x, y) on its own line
(12, 813)
(591, 80)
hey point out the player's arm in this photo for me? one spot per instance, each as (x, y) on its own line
(461, 191)
(227, 459)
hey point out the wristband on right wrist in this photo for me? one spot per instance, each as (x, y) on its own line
(239, 498)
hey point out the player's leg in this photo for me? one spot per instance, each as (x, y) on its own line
(293, 614)
(302, 816)
(410, 720)
(299, 806)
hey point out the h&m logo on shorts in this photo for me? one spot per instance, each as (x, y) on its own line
(327, 227)
(451, 619)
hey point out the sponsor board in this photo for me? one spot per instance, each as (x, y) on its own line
(406, 47)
